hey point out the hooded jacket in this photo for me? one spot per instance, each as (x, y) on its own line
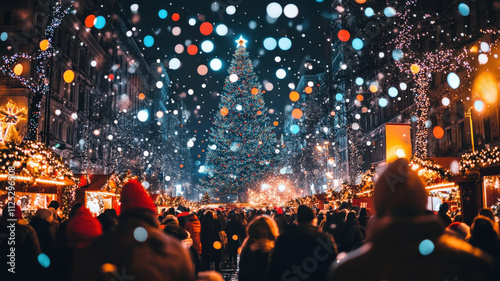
(412, 248)
(193, 226)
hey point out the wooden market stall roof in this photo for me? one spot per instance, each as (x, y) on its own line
(96, 182)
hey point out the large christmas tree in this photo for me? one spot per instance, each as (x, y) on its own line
(242, 145)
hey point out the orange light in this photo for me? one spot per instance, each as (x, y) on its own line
(224, 111)
(235, 237)
(344, 35)
(297, 113)
(206, 28)
(254, 91)
(68, 76)
(192, 50)
(438, 132)
(44, 44)
(182, 166)
(361, 1)
(373, 88)
(89, 21)
(18, 69)
(308, 90)
(415, 68)
(485, 85)
(259, 112)
(332, 113)
(217, 245)
(175, 17)
(359, 97)
(474, 49)
(294, 96)
(276, 123)
(142, 96)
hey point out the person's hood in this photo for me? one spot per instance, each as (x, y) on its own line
(193, 217)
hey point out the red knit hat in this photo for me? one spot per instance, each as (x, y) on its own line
(134, 196)
(82, 229)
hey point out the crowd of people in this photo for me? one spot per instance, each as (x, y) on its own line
(402, 241)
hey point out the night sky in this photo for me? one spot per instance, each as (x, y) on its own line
(308, 32)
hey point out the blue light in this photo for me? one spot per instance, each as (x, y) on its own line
(389, 12)
(397, 54)
(143, 115)
(4, 36)
(414, 118)
(285, 44)
(357, 44)
(463, 9)
(369, 12)
(339, 96)
(382, 102)
(426, 247)
(294, 129)
(149, 41)
(162, 14)
(44, 260)
(99, 22)
(319, 1)
(453, 80)
(428, 124)
(393, 92)
(359, 81)
(270, 43)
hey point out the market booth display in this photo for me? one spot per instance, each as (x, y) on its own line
(39, 176)
(482, 168)
(99, 192)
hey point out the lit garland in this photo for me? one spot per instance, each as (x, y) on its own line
(427, 63)
(40, 86)
(241, 132)
(430, 172)
(480, 158)
(35, 163)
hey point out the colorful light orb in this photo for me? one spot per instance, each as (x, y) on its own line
(276, 123)
(463, 9)
(308, 90)
(142, 96)
(174, 64)
(224, 111)
(274, 10)
(415, 68)
(445, 101)
(68, 76)
(18, 69)
(221, 29)
(343, 35)
(99, 22)
(486, 86)
(159, 114)
(217, 245)
(270, 43)
(294, 96)
(149, 41)
(44, 44)
(438, 132)
(175, 17)
(206, 28)
(89, 21)
(453, 80)
(373, 88)
(339, 97)
(359, 81)
(382, 102)
(357, 44)
(426, 247)
(393, 92)
(192, 50)
(207, 46)
(295, 129)
(359, 97)
(297, 113)
(390, 12)
(143, 115)
(202, 70)
(162, 14)
(361, 1)
(4, 36)
(285, 44)
(397, 54)
(479, 105)
(216, 64)
(369, 12)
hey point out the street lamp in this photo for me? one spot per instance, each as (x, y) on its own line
(478, 106)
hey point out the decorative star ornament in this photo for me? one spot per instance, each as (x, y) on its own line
(241, 42)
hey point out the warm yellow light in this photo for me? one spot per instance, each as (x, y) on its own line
(415, 68)
(485, 85)
(44, 44)
(18, 69)
(373, 88)
(68, 76)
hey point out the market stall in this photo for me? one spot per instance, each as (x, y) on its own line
(99, 192)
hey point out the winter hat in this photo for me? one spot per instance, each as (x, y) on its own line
(134, 196)
(45, 214)
(399, 191)
(459, 229)
(305, 214)
(82, 229)
(170, 219)
(280, 211)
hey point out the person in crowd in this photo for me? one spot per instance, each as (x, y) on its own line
(55, 204)
(109, 220)
(281, 220)
(210, 241)
(233, 230)
(363, 217)
(483, 235)
(443, 214)
(45, 231)
(27, 248)
(62, 263)
(256, 249)
(193, 226)
(355, 232)
(487, 212)
(459, 230)
(138, 249)
(300, 247)
(407, 242)
(338, 229)
(172, 228)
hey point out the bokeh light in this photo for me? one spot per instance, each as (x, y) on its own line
(393, 92)
(4, 36)
(149, 41)
(270, 43)
(207, 46)
(463, 9)
(192, 50)
(453, 80)
(202, 70)
(44, 44)
(486, 86)
(294, 129)
(99, 22)
(297, 113)
(68, 76)
(294, 96)
(89, 21)
(382, 102)
(359, 81)
(369, 12)
(415, 68)
(291, 11)
(343, 35)
(438, 132)
(174, 64)
(357, 44)
(285, 43)
(445, 101)
(281, 73)
(274, 10)
(206, 28)
(162, 14)
(221, 30)
(176, 17)
(143, 115)
(224, 111)
(397, 54)
(390, 12)
(216, 64)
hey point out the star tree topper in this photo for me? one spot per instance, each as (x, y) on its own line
(241, 42)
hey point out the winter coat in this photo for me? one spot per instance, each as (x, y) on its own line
(395, 252)
(193, 226)
(126, 256)
(46, 233)
(281, 221)
(356, 235)
(254, 259)
(27, 249)
(209, 234)
(295, 252)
